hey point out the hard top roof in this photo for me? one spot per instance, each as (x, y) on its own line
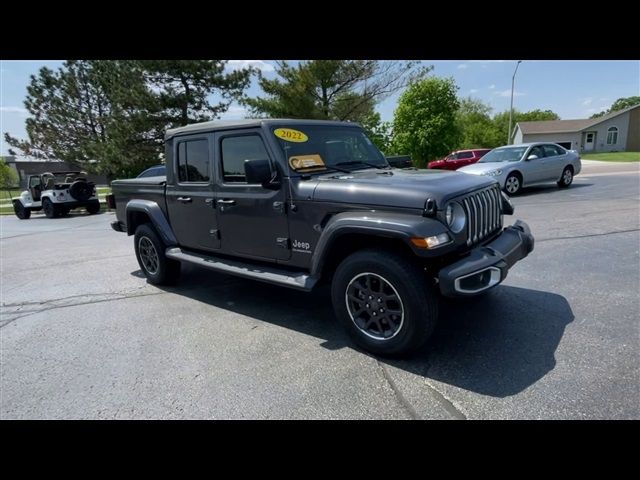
(248, 123)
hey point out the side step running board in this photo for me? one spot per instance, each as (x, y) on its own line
(274, 275)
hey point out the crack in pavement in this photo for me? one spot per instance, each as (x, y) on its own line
(404, 403)
(587, 235)
(110, 297)
(447, 404)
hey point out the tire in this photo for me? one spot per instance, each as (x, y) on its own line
(567, 177)
(158, 269)
(513, 183)
(407, 292)
(81, 190)
(93, 208)
(21, 212)
(50, 209)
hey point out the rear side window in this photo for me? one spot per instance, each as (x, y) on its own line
(551, 151)
(462, 155)
(559, 150)
(235, 150)
(193, 161)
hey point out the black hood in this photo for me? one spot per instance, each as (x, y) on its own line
(396, 188)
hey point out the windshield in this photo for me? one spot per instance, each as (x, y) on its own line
(511, 154)
(319, 148)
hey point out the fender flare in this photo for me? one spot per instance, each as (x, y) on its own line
(157, 217)
(378, 224)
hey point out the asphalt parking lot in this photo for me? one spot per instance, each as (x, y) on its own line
(82, 335)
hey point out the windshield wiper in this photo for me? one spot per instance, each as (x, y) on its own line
(360, 162)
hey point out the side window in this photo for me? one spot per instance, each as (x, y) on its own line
(462, 155)
(550, 151)
(537, 151)
(559, 150)
(235, 150)
(193, 161)
(34, 182)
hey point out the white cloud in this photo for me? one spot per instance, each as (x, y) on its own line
(235, 112)
(492, 86)
(473, 90)
(507, 93)
(18, 110)
(259, 64)
(587, 101)
(462, 66)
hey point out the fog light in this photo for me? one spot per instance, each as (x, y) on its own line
(432, 242)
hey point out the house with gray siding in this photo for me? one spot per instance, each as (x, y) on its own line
(615, 132)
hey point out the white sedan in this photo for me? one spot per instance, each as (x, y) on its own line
(517, 166)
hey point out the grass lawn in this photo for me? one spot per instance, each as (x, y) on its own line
(613, 156)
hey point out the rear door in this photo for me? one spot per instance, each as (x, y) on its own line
(557, 160)
(253, 219)
(190, 197)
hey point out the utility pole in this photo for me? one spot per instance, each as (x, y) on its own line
(513, 82)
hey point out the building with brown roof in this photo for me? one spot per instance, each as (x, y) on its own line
(616, 132)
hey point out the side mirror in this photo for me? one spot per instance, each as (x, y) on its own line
(259, 171)
(532, 157)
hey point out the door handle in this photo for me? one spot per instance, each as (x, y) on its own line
(226, 202)
(184, 199)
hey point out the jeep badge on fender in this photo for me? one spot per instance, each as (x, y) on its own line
(388, 240)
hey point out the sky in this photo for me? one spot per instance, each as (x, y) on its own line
(572, 89)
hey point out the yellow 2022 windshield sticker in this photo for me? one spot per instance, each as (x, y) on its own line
(290, 135)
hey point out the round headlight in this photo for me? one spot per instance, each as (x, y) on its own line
(455, 216)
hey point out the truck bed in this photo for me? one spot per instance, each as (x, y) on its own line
(147, 188)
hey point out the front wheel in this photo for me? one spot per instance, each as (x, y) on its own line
(513, 184)
(158, 269)
(21, 211)
(567, 178)
(384, 302)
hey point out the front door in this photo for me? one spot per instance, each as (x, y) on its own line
(589, 141)
(35, 187)
(190, 197)
(253, 219)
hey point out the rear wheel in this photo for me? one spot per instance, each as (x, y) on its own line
(93, 208)
(384, 302)
(20, 210)
(158, 269)
(567, 177)
(50, 210)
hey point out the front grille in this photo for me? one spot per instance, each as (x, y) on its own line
(484, 213)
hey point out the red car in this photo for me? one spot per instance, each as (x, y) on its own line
(459, 158)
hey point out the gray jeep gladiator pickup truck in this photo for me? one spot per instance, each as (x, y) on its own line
(291, 202)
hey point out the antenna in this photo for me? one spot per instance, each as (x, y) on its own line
(293, 205)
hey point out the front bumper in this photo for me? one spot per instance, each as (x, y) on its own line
(487, 266)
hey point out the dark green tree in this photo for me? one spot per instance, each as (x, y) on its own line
(183, 87)
(424, 123)
(619, 104)
(475, 124)
(501, 121)
(332, 89)
(110, 115)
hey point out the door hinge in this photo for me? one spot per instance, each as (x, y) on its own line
(282, 242)
(214, 232)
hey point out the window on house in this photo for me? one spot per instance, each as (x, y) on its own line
(612, 135)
